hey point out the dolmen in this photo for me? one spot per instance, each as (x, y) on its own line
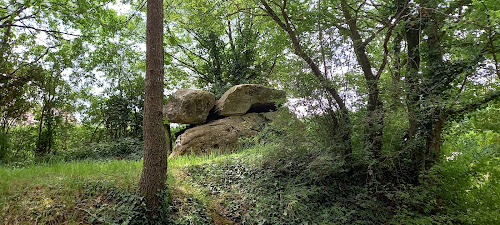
(242, 112)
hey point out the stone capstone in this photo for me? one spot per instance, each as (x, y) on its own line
(220, 134)
(245, 98)
(189, 106)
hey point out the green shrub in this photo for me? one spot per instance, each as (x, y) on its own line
(116, 206)
(20, 143)
(112, 205)
(124, 148)
(470, 176)
(4, 146)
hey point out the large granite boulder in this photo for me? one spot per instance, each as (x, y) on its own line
(245, 98)
(220, 134)
(189, 106)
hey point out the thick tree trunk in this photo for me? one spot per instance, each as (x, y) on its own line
(436, 122)
(414, 145)
(433, 148)
(154, 170)
(426, 118)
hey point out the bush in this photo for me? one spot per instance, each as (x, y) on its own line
(292, 176)
(19, 144)
(124, 148)
(470, 181)
(4, 146)
(112, 205)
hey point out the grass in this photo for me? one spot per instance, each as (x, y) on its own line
(121, 173)
(194, 203)
(50, 192)
(56, 192)
(244, 187)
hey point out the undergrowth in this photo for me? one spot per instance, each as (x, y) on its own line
(120, 149)
(95, 192)
(289, 181)
(256, 188)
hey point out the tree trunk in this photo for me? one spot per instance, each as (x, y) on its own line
(396, 75)
(414, 144)
(154, 169)
(433, 148)
(343, 120)
(426, 118)
(375, 117)
(435, 58)
(40, 130)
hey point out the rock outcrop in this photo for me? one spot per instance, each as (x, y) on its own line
(189, 106)
(220, 134)
(243, 111)
(245, 98)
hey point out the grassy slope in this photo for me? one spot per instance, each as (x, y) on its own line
(55, 193)
(213, 189)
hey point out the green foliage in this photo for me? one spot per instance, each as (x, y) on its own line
(487, 119)
(113, 206)
(281, 190)
(470, 182)
(70, 143)
(4, 146)
(124, 148)
(119, 114)
(122, 117)
(218, 43)
(293, 177)
(21, 145)
(189, 210)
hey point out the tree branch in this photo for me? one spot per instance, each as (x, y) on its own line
(191, 67)
(300, 52)
(475, 105)
(358, 44)
(41, 30)
(399, 16)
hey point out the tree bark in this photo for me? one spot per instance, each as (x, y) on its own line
(375, 117)
(154, 169)
(433, 148)
(412, 32)
(396, 75)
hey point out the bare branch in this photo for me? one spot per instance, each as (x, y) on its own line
(41, 30)
(191, 67)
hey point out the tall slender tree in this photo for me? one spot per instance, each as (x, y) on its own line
(155, 147)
